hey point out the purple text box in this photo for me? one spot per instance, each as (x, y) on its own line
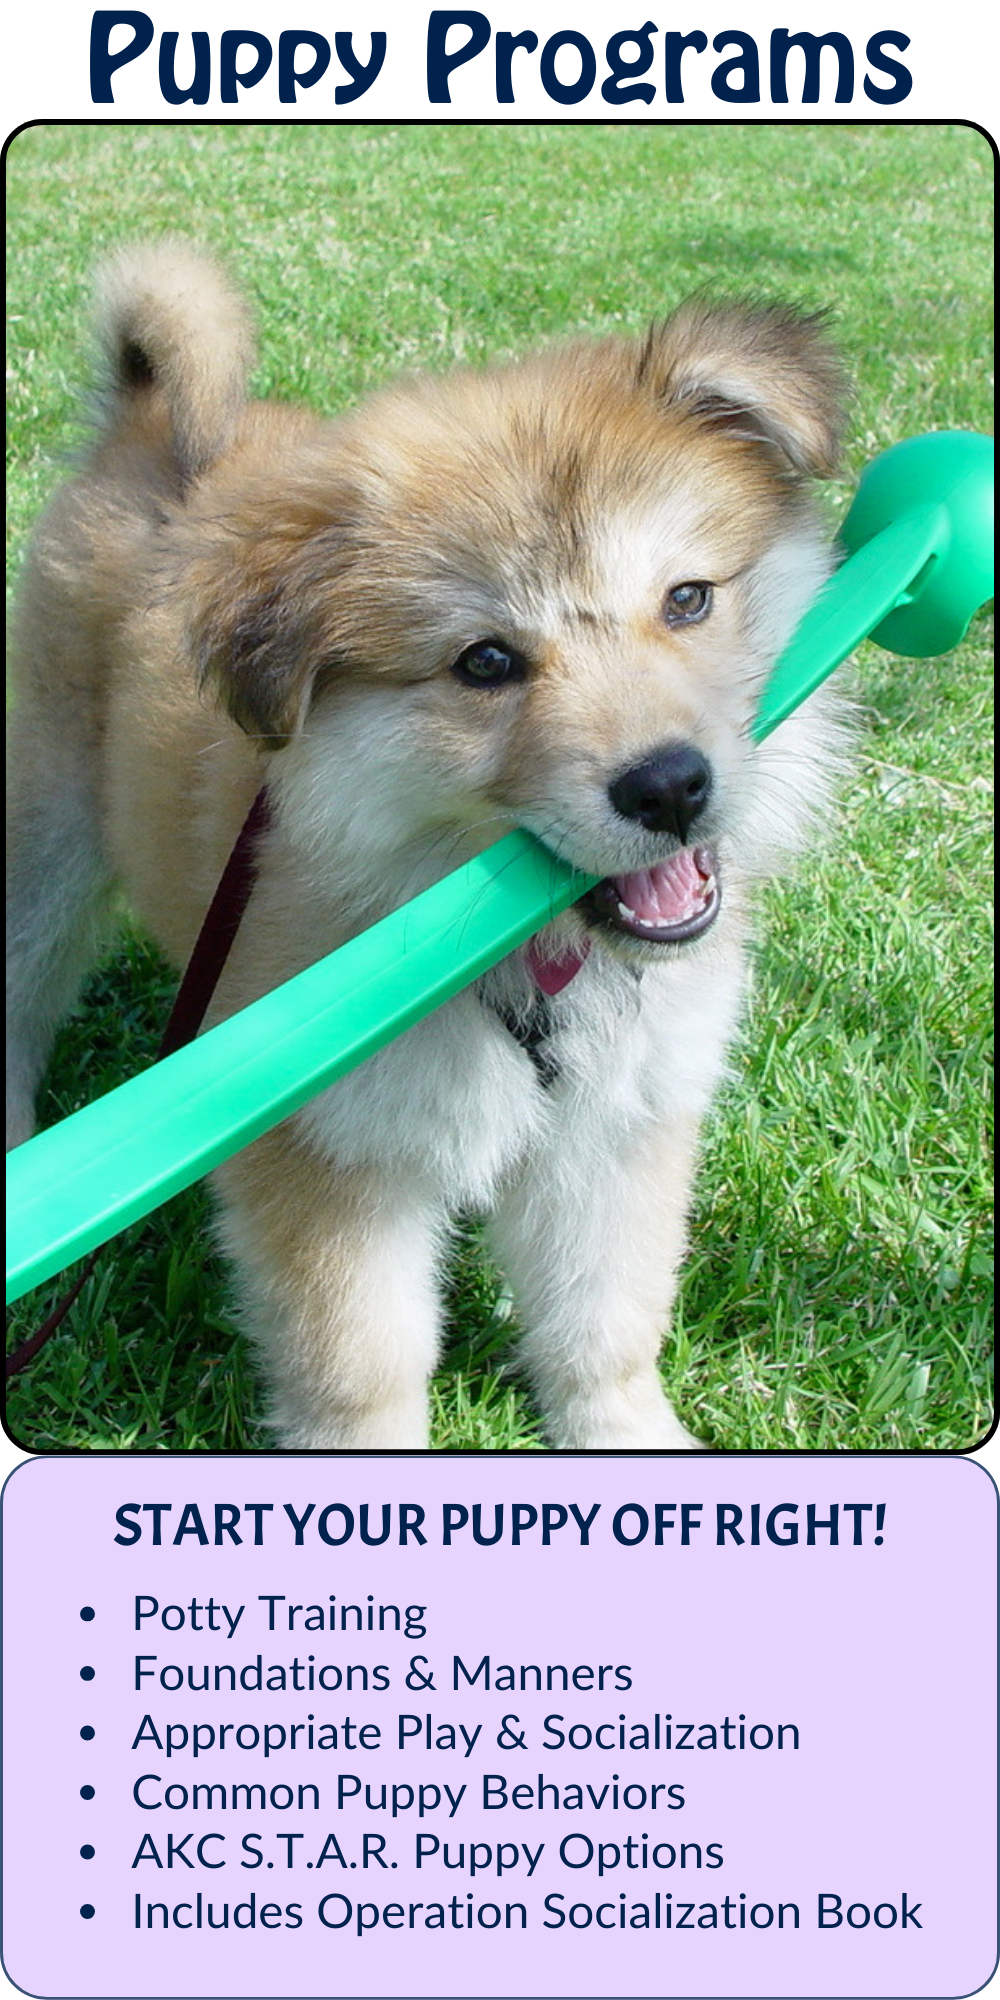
(738, 1736)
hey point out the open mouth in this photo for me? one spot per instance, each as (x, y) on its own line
(670, 903)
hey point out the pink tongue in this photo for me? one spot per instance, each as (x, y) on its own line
(666, 894)
(552, 974)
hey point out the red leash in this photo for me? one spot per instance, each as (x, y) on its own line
(201, 977)
(217, 935)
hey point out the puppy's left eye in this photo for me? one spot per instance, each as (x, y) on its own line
(489, 664)
(687, 603)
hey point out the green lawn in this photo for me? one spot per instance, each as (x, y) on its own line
(838, 1291)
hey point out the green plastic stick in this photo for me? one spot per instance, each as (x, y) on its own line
(73, 1186)
(921, 531)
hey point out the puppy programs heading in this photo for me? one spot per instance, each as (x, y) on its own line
(665, 1524)
(639, 66)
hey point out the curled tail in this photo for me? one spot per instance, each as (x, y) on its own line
(169, 323)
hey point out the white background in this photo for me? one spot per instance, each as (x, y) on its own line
(952, 56)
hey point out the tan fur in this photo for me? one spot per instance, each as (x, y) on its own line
(228, 592)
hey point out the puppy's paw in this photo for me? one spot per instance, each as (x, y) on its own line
(376, 1430)
(667, 1435)
(639, 1419)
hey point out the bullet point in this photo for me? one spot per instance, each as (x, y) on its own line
(87, 1853)
(86, 1909)
(87, 1732)
(86, 1673)
(86, 1791)
(88, 1612)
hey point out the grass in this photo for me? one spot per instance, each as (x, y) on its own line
(837, 1295)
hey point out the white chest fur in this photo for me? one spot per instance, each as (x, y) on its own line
(459, 1102)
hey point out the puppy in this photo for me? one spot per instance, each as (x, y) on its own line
(544, 595)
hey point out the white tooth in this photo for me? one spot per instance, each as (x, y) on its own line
(624, 911)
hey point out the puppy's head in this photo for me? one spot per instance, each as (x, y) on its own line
(547, 595)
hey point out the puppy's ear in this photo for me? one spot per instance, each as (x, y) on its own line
(766, 373)
(256, 652)
(265, 614)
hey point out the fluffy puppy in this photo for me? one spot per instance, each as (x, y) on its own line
(546, 595)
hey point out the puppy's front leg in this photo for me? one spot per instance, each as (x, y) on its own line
(591, 1246)
(338, 1278)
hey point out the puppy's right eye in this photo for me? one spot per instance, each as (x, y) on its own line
(687, 604)
(489, 664)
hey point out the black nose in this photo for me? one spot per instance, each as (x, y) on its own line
(666, 792)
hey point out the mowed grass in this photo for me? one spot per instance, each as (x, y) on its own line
(837, 1294)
